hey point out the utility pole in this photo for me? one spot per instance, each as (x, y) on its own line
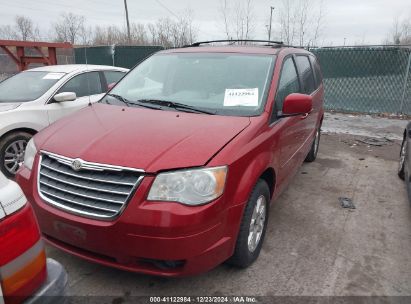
(271, 21)
(128, 23)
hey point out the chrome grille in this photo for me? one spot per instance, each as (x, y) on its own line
(96, 190)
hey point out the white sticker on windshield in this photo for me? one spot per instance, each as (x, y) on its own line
(53, 76)
(241, 97)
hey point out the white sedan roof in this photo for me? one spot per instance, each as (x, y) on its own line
(69, 68)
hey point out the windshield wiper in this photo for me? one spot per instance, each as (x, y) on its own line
(119, 97)
(128, 102)
(176, 106)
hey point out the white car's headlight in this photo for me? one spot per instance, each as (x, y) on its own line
(30, 154)
(189, 187)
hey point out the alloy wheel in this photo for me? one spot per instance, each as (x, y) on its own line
(14, 155)
(257, 223)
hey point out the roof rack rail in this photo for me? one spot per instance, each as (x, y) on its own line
(277, 43)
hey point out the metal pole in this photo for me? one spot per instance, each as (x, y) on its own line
(271, 21)
(128, 23)
(407, 74)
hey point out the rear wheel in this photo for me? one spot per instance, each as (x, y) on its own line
(403, 155)
(312, 155)
(253, 227)
(12, 148)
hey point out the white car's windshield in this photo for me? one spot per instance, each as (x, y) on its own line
(222, 83)
(27, 86)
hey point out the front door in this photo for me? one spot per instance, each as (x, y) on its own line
(290, 128)
(88, 88)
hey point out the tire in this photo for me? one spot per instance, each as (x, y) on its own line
(312, 155)
(13, 142)
(245, 253)
(403, 155)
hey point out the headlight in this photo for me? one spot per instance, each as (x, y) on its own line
(189, 187)
(30, 154)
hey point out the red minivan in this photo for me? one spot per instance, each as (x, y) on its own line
(173, 171)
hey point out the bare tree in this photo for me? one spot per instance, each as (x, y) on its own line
(72, 28)
(7, 32)
(301, 21)
(25, 29)
(400, 32)
(224, 14)
(86, 35)
(138, 33)
(287, 14)
(173, 33)
(238, 19)
(319, 21)
(69, 28)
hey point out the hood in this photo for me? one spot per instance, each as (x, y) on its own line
(152, 140)
(9, 106)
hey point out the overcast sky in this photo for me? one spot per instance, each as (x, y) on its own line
(359, 21)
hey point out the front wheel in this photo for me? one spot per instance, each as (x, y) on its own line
(253, 227)
(312, 155)
(12, 148)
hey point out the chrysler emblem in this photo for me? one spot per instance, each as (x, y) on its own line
(76, 165)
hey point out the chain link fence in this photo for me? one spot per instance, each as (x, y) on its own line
(117, 55)
(367, 79)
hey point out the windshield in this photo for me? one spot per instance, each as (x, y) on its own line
(224, 83)
(27, 86)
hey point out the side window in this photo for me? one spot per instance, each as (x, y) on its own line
(317, 71)
(288, 83)
(84, 84)
(307, 75)
(113, 76)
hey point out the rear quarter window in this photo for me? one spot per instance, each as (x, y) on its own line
(306, 73)
(317, 71)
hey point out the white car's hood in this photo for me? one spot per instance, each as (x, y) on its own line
(9, 106)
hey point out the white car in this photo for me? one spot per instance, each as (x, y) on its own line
(33, 99)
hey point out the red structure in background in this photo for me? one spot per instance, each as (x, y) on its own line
(23, 61)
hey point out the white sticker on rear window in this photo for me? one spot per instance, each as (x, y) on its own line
(53, 76)
(241, 97)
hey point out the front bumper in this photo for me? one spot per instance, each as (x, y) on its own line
(54, 288)
(166, 239)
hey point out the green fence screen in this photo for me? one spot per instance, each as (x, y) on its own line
(366, 79)
(94, 55)
(117, 55)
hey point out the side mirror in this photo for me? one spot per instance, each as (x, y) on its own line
(65, 96)
(111, 85)
(297, 104)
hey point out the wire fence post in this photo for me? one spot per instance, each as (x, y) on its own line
(113, 53)
(407, 74)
